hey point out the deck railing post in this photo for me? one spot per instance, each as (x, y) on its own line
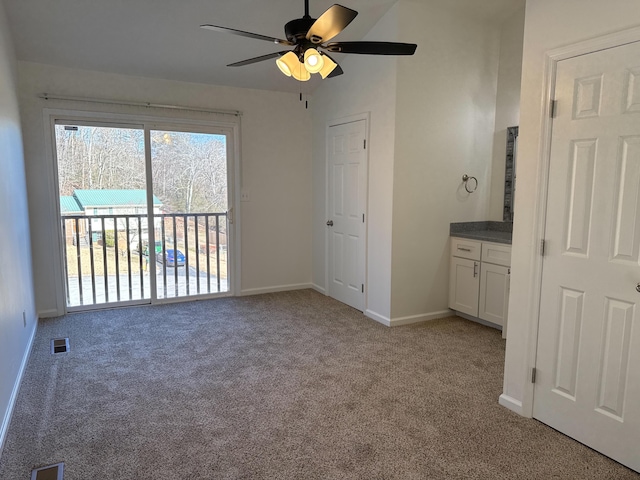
(218, 249)
(128, 236)
(105, 263)
(141, 253)
(185, 228)
(206, 227)
(91, 262)
(65, 254)
(197, 242)
(116, 252)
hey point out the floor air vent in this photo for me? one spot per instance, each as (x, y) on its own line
(50, 472)
(59, 345)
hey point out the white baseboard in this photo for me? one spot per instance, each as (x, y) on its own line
(396, 322)
(477, 320)
(277, 288)
(318, 288)
(378, 318)
(423, 317)
(16, 387)
(511, 403)
(53, 312)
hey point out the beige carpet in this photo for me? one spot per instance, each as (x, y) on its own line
(287, 386)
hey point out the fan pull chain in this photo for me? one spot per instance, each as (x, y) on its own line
(306, 98)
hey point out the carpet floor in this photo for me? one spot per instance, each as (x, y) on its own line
(290, 385)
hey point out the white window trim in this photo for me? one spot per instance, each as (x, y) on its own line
(146, 122)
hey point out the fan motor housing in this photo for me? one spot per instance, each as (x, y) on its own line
(297, 29)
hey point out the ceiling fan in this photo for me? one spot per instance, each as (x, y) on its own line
(306, 35)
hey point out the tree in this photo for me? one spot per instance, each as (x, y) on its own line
(189, 170)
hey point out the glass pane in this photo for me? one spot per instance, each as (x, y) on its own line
(103, 205)
(189, 173)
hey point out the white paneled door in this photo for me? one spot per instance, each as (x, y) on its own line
(588, 358)
(347, 197)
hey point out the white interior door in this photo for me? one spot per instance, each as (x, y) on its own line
(347, 185)
(588, 358)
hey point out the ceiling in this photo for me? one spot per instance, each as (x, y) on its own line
(162, 38)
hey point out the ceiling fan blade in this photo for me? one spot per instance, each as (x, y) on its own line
(373, 48)
(242, 33)
(336, 71)
(330, 23)
(261, 58)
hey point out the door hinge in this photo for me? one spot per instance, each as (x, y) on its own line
(543, 245)
(533, 375)
(364, 142)
(363, 218)
(363, 288)
(552, 108)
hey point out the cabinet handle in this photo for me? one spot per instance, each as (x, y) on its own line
(475, 269)
(464, 249)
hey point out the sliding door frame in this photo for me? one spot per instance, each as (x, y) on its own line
(230, 127)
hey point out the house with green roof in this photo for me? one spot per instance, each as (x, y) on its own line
(114, 202)
(108, 205)
(69, 206)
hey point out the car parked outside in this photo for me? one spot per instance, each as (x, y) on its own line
(174, 258)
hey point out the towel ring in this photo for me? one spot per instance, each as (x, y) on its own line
(465, 179)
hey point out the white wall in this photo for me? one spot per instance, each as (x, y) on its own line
(507, 105)
(367, 86)
(432, 120)
(446, 104)
(549, 24)
(16, 284)
(275, 164)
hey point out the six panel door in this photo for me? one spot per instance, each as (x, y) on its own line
(588, 357)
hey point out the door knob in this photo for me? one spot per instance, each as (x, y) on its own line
(638, 287)
(330, 224)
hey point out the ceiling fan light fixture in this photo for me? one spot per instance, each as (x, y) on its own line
(327, 67)
(313, 61)
(288, 63)
(307, 36)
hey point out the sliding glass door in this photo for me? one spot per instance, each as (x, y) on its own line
(103, 206)
(144, 213)
(190, 176)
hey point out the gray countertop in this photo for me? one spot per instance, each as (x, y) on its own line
(498, 232)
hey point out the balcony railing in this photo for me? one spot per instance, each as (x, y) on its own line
(107, 257)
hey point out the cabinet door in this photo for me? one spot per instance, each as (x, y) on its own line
(494, 293)
(464, 285)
